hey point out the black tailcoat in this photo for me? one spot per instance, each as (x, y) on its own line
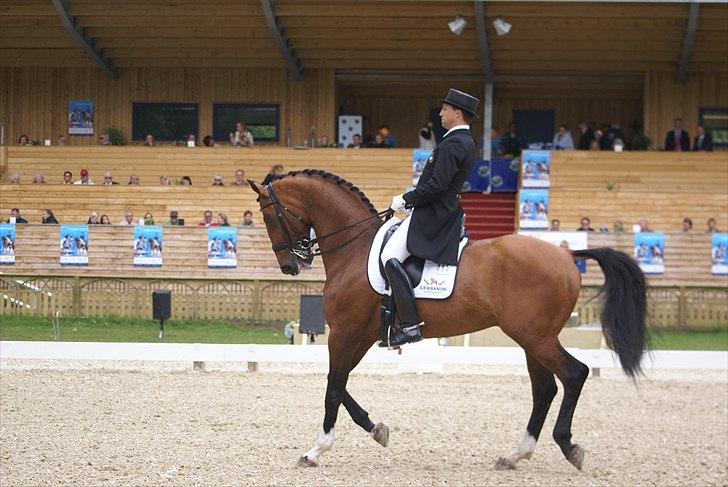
(434, 231)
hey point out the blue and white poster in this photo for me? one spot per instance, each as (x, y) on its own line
(7, 250)
(649, 252)
(536, 169)
(567, 240)
(420, 157)
(222, 247)
(719, 254)
(74, 244)
(148, 245)
(80, 117)
(533, 208)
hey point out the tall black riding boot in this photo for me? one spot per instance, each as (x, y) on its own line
(404, 298)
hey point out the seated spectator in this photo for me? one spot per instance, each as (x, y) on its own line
(208, 141)
(104, 220)
(712, 226)
(148, 218)
(618, 226)
(134, 180)
(427, 136)
(241, 136)
(325, 143)
(164, 181)
(555, 225)
(15, 217)
(128, 218)
(677, 139)
(67, 177)
(23, 140)
(386, 133)
(511, 142)
(104, 139)
(93, 218)
(222, 220)
(207, 220)
(191, 138)
(276, 170)
(217, 180)
(644, 226)
(562, 139)
(47, 217)
(174, 220)
(587, 136)
(496, 144)
(703, 141)
(14, 178)
(355, 142)
(149, 141)
(594, 145)
(61, 140)
(240, 178)
(85, 178)
(38, 178)
(247, 220)
(687, 225)
(378, 142)
(109, 179)
(585, 225)
(185, 181)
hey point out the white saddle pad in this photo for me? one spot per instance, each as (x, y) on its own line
(437, 281)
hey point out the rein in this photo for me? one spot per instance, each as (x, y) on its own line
(302, 247)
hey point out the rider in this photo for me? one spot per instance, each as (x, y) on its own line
(432, 231)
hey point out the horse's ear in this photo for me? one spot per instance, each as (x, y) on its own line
(257, 188)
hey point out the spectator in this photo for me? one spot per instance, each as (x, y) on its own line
(562, 139)
(247, 220)
(618, 226)
(276, 170)
(149, 140)
(605, 142)
(496, 144)
(594, 145)
(192, 138)
(378, 142)
(23, 140)
(104, 139)
(61, 140)
(585, 225)
(587, 136)
(511, 143)
(355, 142)
(712, 226)
(644, 226)
(109, 179)
(427, 136)
(217, 180)
(555, 225)
(240, 178)
(387, 136)
(85, 178)
(614, 134)
(241, 137)
(223, 220)
(38, 178)
(148, 218)
(14, 178)
(47, 217)
(93, 218)
(174, 220)
(677, 139)
(134, 180)
(67, 177)
(325, 143)
(208, 141)
(164, 181)
(104, 220)
(687, 225)
(15, 214)
(703, 141)
(185, 181)
(128, 218)
(207, 220)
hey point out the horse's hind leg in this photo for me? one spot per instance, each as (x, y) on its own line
(543, 389)
(572, 374)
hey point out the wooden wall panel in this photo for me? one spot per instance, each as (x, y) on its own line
(33, 101)
(665, 101)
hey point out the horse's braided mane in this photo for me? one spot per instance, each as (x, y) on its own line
(338, 180)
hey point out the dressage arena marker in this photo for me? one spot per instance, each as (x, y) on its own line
(251, 353)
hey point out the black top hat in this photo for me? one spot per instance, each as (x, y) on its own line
(461, 100)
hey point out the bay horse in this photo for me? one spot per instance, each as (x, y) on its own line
(524, 285)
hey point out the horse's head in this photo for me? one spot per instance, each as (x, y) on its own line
(288, 226)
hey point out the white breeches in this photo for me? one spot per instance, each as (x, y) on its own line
(396, 247)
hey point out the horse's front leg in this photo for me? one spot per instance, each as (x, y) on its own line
(341, 353)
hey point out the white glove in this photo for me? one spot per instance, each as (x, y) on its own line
(398, 203)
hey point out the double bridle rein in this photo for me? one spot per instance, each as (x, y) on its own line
(303, 247)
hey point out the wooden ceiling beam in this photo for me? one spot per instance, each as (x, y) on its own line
(687, 44)
(284, 44)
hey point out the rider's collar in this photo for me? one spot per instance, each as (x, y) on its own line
(456, 127)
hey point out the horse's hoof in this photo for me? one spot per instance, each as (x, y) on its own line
(380, 433)
(576, 457)
(505, 464)
(304, 461)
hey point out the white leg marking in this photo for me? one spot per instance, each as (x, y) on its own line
(524, 450)
(324, 444)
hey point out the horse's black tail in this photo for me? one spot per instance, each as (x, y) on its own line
(624, 300)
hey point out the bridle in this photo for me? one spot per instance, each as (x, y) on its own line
(303, 247)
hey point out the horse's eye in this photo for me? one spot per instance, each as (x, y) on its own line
(257, 200)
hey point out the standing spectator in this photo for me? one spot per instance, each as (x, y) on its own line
(15, 213)
(223, 220)
(207, 220)
(677, 139)
(240, 178)
(149, 141)
(148, 218)
(104, 220)
(85, 178)
(38, 178)
(247, 220)
(164, 181)
(109, 179)
(562, 139)
(128, 218)
(427, 136)
(644, 226)
(23, 140)
(217, 180)
(47, 217)
(585, 225)
(208, 141)
(134, 180)
(703, 141)
(355, 142)
(276, 170)
(712, 226)
(67, 177)
(185, 181)
(93, 218)
(174, 220)
(587, 136)
(241, 137)
(555, 225)
(511, 143)
(14, 178)
(687, 225)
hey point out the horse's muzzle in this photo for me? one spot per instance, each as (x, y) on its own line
(291, 270)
